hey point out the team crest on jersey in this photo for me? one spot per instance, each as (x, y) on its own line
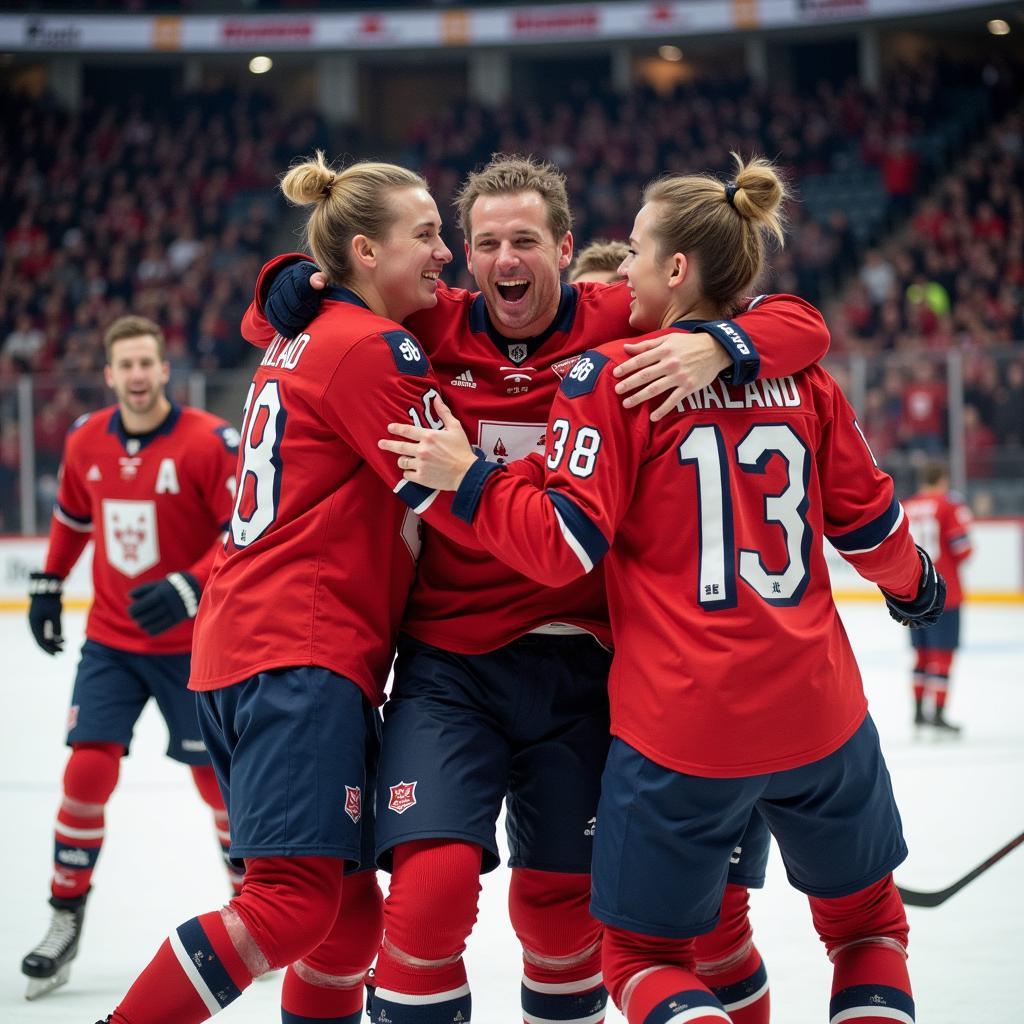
(94, 473)
(502, 441)
(129, 533)
(403, 796)
(517, 353)
(563, 366)
(353, 803)
(72, 717)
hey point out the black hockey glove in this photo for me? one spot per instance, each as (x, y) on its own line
(159, 605)
(926, 607)
(44, 610)
(292, 301)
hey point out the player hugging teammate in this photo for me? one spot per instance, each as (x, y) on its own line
(734, 690)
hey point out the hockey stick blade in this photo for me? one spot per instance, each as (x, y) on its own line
(913, 898)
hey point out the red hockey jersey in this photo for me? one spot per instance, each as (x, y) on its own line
(320, 555)
(941, 524)
(153, 504)
(730, 657)
(501, 389)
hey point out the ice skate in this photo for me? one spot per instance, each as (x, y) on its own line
(941, 725)
(48, 966)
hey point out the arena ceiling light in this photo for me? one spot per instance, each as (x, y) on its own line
(999, 27)
(260, 65)
(671, 53)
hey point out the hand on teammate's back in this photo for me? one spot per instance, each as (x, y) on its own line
(44, 610)
(926, 606)
(294, 297)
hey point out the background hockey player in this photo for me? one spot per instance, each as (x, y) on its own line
(151, 484)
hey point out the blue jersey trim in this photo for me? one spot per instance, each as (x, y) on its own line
(416, 496)
(746, 362)
(85, 522)
(467, 497)
(480, 323)
(407, 353)
(583, 377)
(341, 294)
(869, 536)
(116, 427)
(586, 540)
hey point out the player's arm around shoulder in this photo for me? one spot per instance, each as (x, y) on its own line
(789, 332)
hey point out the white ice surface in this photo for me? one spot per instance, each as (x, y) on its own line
(960, 800)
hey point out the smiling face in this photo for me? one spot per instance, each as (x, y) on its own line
(517, 261)
(137, 375)
(408, 262)
(649, 275)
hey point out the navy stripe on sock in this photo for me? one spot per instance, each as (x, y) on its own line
(294, 1018)
(450, 1011)
(674, 1005)
(75, 858)
(740, 990)
(873, 996)
(564, 1006)
(202, 954)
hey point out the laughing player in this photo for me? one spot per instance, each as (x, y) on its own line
(733, 686)
(499, 684)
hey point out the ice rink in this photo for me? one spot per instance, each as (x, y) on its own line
(961, 800)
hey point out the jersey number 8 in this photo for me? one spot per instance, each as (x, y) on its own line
(259, 482)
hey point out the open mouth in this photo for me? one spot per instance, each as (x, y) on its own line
(431, 275)
(514, 290)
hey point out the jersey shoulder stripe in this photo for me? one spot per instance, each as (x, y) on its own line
(583, 377)
(407, 353)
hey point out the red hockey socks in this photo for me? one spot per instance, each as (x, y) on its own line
(430, 910)
(651, 978)
(866, 938)
(561, 943)
(89, 779)
(206, 782)
(730, 965)
(288, 907)
(326, 986)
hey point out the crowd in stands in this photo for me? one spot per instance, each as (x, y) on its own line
(167, 208)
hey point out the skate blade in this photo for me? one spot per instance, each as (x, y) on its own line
(38, 987)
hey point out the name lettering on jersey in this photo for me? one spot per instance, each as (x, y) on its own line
(771, 393)
(517, 378)
(285, 353)
(129, 467)
(517, 353)
(464, 380)
(94, 473)
(130, 535)
(167, 478)
(406, 351)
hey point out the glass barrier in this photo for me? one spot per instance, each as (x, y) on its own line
(965, 408)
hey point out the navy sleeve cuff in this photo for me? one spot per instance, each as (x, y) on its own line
(467, 497)
(746, 363)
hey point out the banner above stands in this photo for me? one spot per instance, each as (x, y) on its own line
(419, 30)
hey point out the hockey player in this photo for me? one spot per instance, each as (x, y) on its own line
(733, 686)
(499, 685)
(296, 628)
(149, 482)
(599, 262)
(941, 524)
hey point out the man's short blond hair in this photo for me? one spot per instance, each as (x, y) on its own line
(599, 257)
(132, 326)
(510, 174)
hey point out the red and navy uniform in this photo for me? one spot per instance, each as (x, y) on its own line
(152, 504)
(941, 524)
(733, 686)
(319, 555)
(715, 518)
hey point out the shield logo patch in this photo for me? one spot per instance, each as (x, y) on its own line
(403, 796)
(353, 803)
(130, 536)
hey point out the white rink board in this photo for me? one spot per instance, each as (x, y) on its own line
(960, 801)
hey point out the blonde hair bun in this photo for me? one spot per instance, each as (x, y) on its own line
(309, 182)
(759, 194)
